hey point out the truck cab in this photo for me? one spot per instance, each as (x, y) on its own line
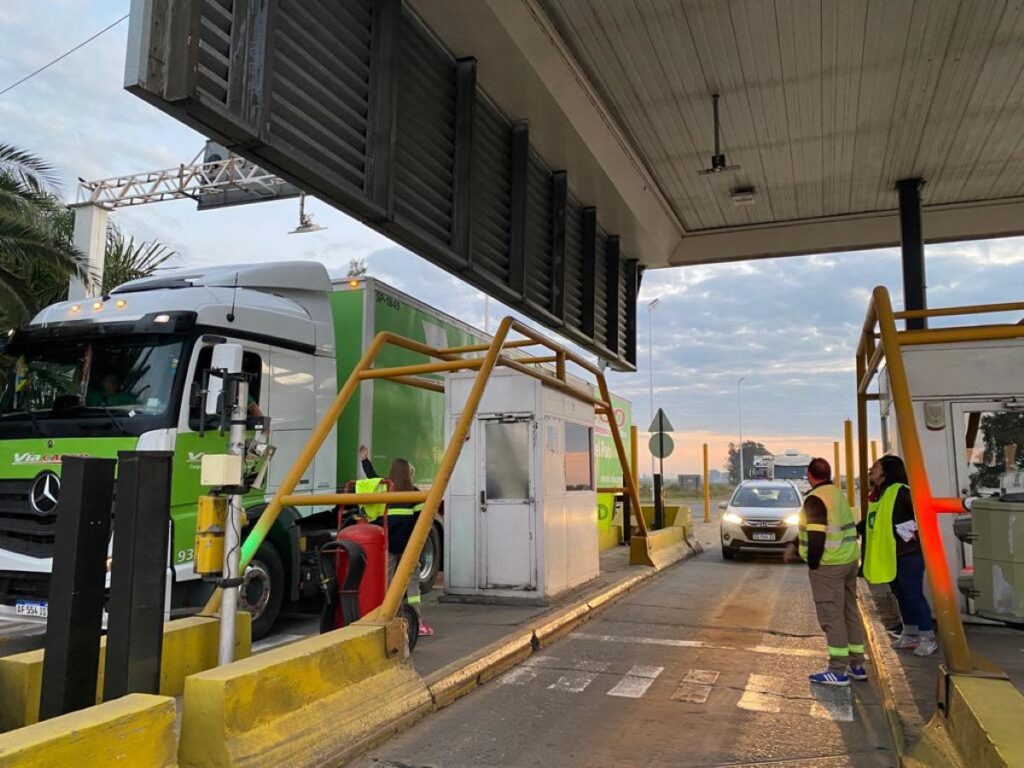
(123, 372)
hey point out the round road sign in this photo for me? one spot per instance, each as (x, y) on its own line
(661, 445)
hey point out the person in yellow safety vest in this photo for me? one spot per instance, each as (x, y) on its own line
(401, 521)
(892, 553)
(828, 544)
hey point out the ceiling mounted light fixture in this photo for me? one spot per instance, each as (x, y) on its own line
(718, 162)
(306, 223)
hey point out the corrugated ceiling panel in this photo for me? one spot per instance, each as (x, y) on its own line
(601, 287)
(215, 20)
(538, 233)
(425, 145)
(573, 263)
(320, 85)
(492, 154)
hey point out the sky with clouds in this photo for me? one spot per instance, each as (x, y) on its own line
(788, 325)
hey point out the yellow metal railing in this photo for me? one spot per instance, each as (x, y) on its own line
(887, 343)
(444, 360)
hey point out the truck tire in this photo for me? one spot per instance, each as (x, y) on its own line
(262, 590)
(430, 560)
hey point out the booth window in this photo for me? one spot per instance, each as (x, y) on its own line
(507, 459)
(579, 458)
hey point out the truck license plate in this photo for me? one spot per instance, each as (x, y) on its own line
(26, 608)
(764, 537)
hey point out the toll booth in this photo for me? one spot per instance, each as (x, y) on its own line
(968, 400)
(519, 510)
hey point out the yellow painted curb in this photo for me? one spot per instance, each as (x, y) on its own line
(189, 646)
(562, 624)
(313, 702)
(135, 730)
(454, 681)
(986, 721)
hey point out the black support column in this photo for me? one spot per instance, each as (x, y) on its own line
(912, 248)
(138, 575)
(71, 653)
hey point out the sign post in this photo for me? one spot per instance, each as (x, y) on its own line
(661, 445)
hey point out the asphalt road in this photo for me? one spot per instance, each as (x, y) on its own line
(705, 666)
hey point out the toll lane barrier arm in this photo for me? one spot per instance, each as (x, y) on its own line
(135, 730)
(189, 646)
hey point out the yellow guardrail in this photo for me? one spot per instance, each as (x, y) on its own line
(881, 340)
(444, 360)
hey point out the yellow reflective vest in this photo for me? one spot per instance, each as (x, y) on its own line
(880, 543)
(840, 530)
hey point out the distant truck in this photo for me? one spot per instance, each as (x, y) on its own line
(792, 465)
(763, 468)
(124, 372)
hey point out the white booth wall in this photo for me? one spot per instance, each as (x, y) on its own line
(513, 530)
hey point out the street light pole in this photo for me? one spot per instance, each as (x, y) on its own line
(650, 360)
(739, 410)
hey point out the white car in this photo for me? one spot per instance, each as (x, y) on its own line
(762, 514)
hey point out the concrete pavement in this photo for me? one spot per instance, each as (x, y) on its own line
(706, 665)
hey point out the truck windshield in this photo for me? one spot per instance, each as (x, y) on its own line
(794, 472)
(70, 387)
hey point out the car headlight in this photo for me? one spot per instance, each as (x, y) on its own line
(732, 517)
(793, 519)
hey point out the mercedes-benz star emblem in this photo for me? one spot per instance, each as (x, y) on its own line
(45, 492)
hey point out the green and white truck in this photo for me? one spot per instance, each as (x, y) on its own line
(124, 372)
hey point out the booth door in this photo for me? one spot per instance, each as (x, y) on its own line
(506, 493)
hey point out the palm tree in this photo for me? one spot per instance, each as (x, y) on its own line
(31, 240)
(124, 260)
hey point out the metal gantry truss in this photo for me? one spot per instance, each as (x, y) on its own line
(198, 180)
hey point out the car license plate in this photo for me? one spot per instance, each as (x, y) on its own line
(26, 608)
(764, 537)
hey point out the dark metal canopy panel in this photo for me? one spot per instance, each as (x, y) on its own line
(356, 101)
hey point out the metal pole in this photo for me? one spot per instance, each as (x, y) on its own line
(850, 482)
(89, 239)
(707, 487)
(836, 461)
(874, 451)
(739, 411)
(233, 534)
(912, 249)
(650, 359)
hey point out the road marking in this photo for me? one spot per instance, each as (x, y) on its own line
(701, 676)
(273, 642)
(579, 665)
(691, 693)
(573, 682)
(517, 676)
(759, 702)
(635, 683)
(832, 704)
(767, 649)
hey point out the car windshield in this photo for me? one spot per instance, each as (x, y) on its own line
(105, 378)
(766, 497)
(794, 472)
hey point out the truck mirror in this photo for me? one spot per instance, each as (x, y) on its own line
(228, 358)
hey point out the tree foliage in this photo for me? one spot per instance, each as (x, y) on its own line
(1003, 449)
(732, 461)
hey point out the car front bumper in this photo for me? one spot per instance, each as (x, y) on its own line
(737, 535)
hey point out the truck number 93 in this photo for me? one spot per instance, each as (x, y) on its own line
(185, 555)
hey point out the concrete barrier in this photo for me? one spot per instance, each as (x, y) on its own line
(984, 717)
(190, 646)
(313, 702)
(609, 539)
(135, 730)
(658, 548)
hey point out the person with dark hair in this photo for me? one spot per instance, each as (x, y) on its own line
(892, 553)
(828, 544)
(401, 520)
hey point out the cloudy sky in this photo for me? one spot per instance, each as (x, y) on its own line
(788, 325)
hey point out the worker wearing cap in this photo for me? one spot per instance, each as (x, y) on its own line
(828, 544)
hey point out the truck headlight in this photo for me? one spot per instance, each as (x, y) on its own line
(793, 519)
(732, 517)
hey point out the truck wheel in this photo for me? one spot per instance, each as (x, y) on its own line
(262, 590)
(430, 560)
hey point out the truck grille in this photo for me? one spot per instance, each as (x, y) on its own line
(22, 529)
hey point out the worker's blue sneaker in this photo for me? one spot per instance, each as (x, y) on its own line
(858, 673)
(830, 678)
